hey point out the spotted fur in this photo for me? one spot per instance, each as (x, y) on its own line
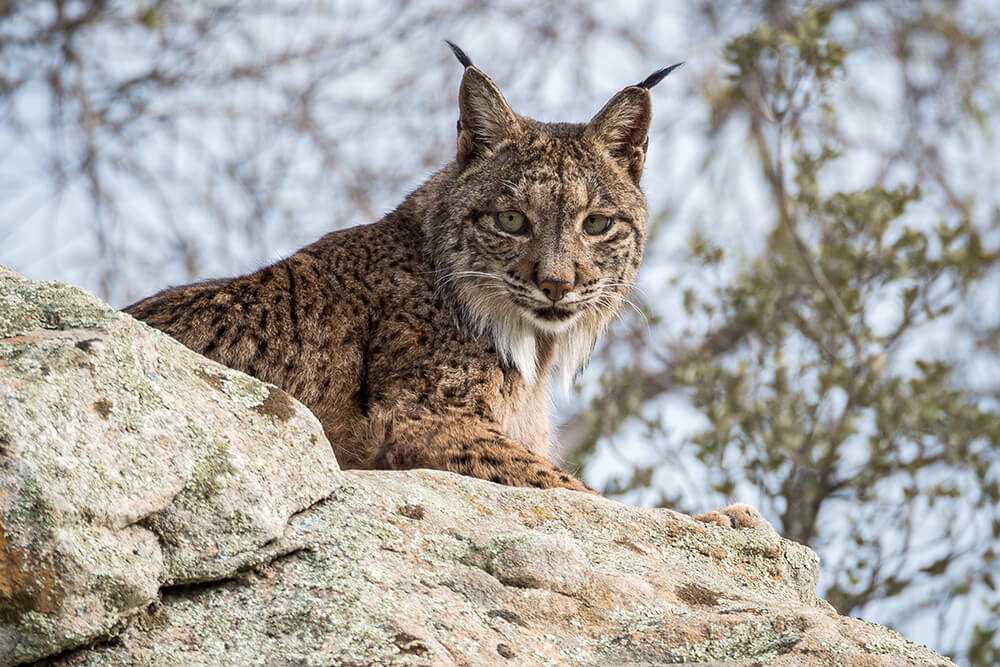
(426, 339)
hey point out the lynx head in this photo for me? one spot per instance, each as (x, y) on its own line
(538, 228)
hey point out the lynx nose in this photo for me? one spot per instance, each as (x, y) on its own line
(555, 289)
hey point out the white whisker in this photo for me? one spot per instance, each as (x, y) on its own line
(502, 311)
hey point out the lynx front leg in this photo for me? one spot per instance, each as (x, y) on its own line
(467, 447)
(738, 515)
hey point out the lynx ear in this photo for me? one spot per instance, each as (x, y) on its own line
(484, 117)
(623, 124)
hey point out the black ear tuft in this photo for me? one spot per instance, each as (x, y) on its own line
(621, 128)
(460, 54)
(484, 118)
(646, 83)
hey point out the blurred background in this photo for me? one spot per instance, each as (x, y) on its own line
(820, 333)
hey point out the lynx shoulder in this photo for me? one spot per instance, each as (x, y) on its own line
(427, 339)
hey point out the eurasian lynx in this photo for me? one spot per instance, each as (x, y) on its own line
(427, 339)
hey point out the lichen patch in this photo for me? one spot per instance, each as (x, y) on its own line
(103, 408)
(415, 512)
(277, 404)
(213, 380)
(695, 594)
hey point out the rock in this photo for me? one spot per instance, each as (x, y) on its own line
(457, 586)
(128, 462)
(538, 560)
(110, 510)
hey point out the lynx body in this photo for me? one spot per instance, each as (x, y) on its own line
(427, 339)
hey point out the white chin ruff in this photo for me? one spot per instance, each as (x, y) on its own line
(514, 331)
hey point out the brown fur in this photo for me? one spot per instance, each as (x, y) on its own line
(424, 340)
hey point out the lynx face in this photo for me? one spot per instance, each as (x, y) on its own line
(555, 228)
(542, 230)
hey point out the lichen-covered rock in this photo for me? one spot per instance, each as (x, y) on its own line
(539, 560)
(129, 466)
(128, 462)
(409, 568)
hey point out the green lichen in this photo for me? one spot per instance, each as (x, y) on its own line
(49, 382)
(370, 591)
(152, 617)
(117, 596)
(31, 511)
(758, 639)
(10, 613)
(26, 306)
(213, 468)
(482, 555)
(889, 643)
(362, 536)
(800, 556)
(132, 375)
(245, 390)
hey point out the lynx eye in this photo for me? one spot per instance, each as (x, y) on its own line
(596, 224)
(512, 222)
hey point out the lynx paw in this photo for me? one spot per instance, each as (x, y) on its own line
(737, 515)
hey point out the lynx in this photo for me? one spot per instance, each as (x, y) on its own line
(427, 339)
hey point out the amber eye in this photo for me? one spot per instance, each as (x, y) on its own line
(596, 224)
(512, 222)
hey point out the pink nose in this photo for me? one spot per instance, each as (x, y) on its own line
(554, 289)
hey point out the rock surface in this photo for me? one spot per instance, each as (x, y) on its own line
(166, 507)
(128, 462)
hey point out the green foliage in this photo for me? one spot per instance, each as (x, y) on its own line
(807, 392)
(818, 383)
(803, 47)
